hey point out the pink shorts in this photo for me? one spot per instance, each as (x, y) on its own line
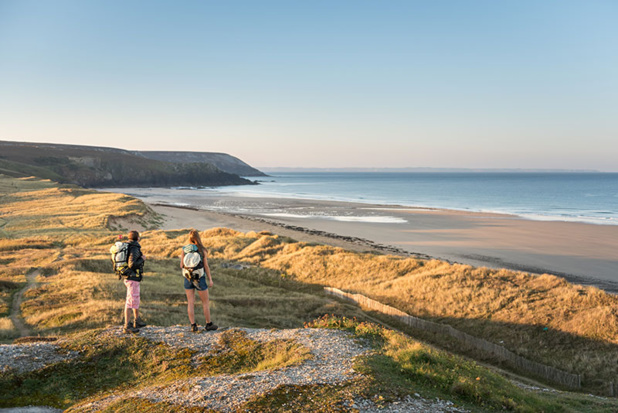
(132, 294)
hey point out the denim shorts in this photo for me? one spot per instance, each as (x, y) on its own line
(202, 283)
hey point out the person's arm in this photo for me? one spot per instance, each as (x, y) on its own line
(134, 262)
(207, 269)
(182, 259)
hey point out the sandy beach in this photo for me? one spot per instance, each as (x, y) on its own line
(582, 253)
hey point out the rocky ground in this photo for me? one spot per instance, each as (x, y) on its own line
(333, 353)
(30, 356)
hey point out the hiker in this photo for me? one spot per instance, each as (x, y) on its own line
(132, 279)
(194, 265)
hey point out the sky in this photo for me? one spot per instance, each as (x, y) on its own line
(320, 83)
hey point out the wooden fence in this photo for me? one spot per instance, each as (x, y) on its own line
(550, 373)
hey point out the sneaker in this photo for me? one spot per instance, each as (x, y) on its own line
(130, 330)
(139, 323)
(194, 328)
(211, 327)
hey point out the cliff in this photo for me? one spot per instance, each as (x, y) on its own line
(106, 167)
(223, 161)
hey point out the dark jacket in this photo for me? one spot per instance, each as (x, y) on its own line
(135, 262)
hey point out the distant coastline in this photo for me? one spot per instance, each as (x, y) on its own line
(271, 169)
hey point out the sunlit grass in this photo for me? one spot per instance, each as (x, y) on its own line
(543, 318)
(7, 329)
(42, 208)
(64, 231)
(402, 366)
(84, 293)
(237, 353)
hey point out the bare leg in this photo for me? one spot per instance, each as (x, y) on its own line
(127, 316)
(205, 304)
(190, 305)
(135, 315)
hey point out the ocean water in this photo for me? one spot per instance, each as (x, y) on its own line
(578, 197)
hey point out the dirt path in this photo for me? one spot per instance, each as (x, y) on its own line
(3, 222)
(16, 318)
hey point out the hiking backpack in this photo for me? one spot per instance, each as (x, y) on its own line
(120, 258)
(193, 264)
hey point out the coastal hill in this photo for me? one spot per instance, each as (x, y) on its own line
(223, 161)
(92, 166)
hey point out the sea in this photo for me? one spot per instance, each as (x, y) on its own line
(577, 197)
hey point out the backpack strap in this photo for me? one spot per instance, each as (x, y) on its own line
(190, 248)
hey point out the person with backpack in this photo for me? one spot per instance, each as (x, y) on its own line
(194, 266)
(132, 275)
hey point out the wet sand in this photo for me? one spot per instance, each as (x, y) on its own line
(582, 253)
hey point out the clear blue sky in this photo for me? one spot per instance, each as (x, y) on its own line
(319, 83)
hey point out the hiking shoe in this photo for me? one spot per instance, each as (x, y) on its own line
(194, 328)
(211, 327)
(130, 330)
(139, 323)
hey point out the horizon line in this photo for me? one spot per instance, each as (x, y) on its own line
(426, 169)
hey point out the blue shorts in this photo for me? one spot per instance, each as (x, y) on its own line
(202, 283)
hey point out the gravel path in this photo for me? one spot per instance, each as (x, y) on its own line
(15, 315)
(333, 353)
(30, 356)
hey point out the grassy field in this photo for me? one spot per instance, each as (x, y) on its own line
(543, 318)
(263, 280)
(64, 230)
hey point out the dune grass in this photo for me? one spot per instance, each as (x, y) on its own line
(279, 282)
(401, 366)
(83, 293)
(8, 288)
(7, 330)
(543, 318)
(32, 207)
(77, 289)
(236, 353)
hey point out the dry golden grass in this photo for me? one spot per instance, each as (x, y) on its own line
(7, 329)
(80, 291)
(42, 223)
(30, 207)
(544, 318)
(84, 293)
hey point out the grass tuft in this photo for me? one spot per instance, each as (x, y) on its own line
(236, 353)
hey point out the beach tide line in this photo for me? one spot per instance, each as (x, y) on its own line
(368, 219)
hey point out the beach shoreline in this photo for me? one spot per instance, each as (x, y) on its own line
(579, 252)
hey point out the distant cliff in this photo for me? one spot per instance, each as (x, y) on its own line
(106, 167)
(223, 161)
